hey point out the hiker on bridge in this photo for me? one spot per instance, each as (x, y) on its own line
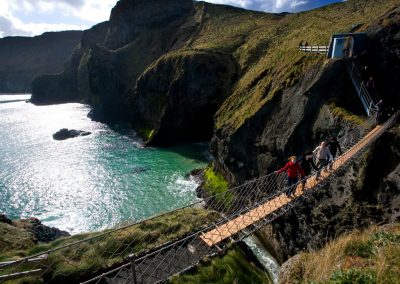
(334, 146)
(293, 171)
(371, 85)
(307, 163)
(380, 114)
(323, 155)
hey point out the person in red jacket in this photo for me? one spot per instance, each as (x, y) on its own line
(293, 170)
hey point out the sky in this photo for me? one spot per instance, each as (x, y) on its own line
(34, 17)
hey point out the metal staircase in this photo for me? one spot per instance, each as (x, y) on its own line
(368, 99)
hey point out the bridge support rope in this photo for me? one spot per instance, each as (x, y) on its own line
(148, 258)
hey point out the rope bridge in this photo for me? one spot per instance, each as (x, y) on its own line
(144, 253)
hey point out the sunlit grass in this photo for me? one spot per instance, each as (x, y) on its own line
(90, 257)
(371, 256)
(266, 48)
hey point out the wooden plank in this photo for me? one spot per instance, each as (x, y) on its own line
(234, 226)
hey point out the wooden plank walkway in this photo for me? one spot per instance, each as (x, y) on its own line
(234, 226)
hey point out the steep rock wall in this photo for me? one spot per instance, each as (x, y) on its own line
(112, 55)
(367, 192)
(24, 58)
(288, 124)
(177, 97)
(67, 86)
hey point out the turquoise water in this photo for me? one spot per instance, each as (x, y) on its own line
(86, 183)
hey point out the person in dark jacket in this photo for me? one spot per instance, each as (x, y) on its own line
(293, 170)
(307, 163)
(334, 146)
(380, 106)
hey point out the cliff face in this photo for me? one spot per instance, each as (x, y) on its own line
(67, 86)
(365, 193)
(178, 69)
(177, 97)
(368, 191)
(104, 68)
(131, 20)
(24, 58)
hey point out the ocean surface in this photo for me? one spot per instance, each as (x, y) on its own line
(86, 183)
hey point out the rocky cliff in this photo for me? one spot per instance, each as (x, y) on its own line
(25, 233)
(177, 69)
(367, 192)
(24, 58)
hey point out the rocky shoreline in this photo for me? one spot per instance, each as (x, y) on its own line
(38, 232)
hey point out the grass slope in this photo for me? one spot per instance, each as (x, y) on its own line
(89, 258)
(266, 47)
(368, 257)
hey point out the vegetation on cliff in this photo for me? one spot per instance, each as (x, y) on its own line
(279, 102)
(216, 185)
(85, 259)
(233, 267)
(371, 256)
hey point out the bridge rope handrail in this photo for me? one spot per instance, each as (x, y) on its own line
(253, 194)
(180, 243)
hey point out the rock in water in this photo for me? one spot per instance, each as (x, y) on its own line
(64, 134)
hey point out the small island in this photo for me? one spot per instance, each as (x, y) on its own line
(65, 133)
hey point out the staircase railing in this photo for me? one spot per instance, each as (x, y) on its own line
(368, 99)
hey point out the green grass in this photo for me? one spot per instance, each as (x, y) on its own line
(353, 276)
(216, 185)
(266, 49)
(345, 114)
(230, 268)
(146, 133)
(82, 260)
(371, 256)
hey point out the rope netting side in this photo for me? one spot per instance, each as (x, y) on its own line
(161, 246)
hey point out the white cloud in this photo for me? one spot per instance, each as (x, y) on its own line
(33, 17)
(264, 5)
(81, 14)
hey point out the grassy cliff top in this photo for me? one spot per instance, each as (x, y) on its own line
(266, 47)
(372, 256)
(102, 251)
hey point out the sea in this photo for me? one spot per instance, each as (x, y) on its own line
(87, 183)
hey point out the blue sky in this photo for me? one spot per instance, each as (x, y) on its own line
(34, 17)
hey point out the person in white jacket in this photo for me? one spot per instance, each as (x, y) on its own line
(323, 156)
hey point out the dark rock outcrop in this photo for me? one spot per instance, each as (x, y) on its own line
(40, 232)
(177, 97)
(24, 58)
(5, 219)
(23, 234)
(132, 20)
(383, 55)
(64, 134)
(67, 86)
(112, 55)
(265, 140)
